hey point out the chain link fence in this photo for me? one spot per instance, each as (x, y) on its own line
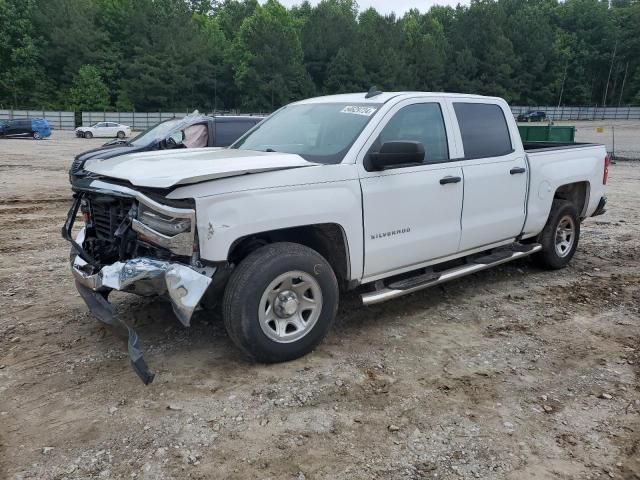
(582, 113)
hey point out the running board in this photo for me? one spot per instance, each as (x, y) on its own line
(420, 283)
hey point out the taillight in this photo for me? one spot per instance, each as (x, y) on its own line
(605, 176)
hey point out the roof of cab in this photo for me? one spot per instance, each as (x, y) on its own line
(236, 118)
(385, 97)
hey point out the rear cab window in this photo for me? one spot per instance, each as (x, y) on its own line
(484, 130)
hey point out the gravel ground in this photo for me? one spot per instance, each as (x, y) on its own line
(513, 373)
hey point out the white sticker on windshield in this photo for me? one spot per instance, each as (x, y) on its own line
(366, 111)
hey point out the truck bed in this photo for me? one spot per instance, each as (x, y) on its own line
(554, 164)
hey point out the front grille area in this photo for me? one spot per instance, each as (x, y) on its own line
(109, 237)
(107, 213)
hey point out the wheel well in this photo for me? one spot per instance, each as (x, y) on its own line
(328, 239)
(576, 193)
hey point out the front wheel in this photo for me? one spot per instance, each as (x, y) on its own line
(560, 236)
(37, 136)
(88, 135)
(280, 302)
(120, 134)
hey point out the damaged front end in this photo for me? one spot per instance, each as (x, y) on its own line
(132, 243)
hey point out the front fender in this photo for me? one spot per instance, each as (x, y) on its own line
(223, 219)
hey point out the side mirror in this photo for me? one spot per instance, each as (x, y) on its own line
(394, 154)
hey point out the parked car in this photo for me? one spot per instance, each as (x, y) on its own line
(192, 131)
(38, 128)
(532, 116)
(104, 129)
(390, 192)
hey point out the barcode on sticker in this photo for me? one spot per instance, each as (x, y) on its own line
(366, 111)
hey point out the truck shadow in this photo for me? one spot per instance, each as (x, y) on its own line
(162, 335)
(160, 330)
(353, 316)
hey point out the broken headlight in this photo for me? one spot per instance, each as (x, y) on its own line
(168, 227)
(161, 223)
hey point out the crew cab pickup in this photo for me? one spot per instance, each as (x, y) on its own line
(390, 193)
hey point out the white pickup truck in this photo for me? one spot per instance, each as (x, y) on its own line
(388, 192)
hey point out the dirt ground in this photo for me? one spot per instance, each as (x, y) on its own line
(513, 373)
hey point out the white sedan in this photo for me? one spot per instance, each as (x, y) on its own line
(104, 129)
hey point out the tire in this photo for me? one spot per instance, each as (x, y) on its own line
(88, 135)
(120, 134)
(559, 247)
(257, 302)
(37, 136)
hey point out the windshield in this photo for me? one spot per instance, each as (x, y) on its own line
(318, 132)
(157, 132)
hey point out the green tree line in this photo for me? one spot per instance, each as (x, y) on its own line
(239, 54)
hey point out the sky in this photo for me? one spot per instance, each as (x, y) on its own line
(388, 6)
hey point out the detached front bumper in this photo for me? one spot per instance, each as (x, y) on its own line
(146, 276)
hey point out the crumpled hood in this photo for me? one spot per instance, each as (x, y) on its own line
(165, 169)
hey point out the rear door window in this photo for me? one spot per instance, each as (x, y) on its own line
(484, 130)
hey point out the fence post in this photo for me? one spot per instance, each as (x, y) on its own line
(613, 134)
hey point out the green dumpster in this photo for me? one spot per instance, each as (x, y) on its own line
(547, 133)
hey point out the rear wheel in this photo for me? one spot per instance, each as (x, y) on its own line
(88, 135)
(560, 236)
(280, 302)
(120, 134)
(37, 136)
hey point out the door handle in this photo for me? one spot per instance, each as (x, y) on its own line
(515, 170)
(449, 179)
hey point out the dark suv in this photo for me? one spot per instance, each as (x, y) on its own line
(532, 116)
(37, 128)
(192, 131)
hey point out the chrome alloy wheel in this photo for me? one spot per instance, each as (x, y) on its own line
(290, 306)
(565, 235)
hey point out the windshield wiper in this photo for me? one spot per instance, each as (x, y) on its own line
(270, 150)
